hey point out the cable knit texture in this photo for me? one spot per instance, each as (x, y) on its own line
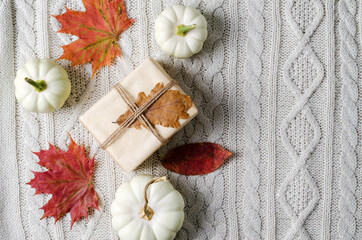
(349, 138)
(300, 132)
(252, 91)
(276, 83)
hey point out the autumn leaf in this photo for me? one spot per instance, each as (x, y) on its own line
(195, 158)
(166, 111)
(68, 179)
(98, 29)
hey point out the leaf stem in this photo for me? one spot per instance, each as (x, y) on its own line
(146, 212)
(181, 30)
(39, 85)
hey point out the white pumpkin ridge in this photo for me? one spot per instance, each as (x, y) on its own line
(166, 202)
(168, 38)
(51, 74)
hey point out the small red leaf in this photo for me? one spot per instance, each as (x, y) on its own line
(195, 158)
(68, 179)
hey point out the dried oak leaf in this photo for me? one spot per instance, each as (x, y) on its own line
(166, 111)
(68, 179)
(195, 158)
(98, 29)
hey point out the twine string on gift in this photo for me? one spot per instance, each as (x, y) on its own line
(136, 115)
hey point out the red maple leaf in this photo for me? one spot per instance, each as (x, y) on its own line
(68, 179)
(98, 29)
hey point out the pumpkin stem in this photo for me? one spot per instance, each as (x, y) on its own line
(181, 29)
(39, 85)
(146, 212)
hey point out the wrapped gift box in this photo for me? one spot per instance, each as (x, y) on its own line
(134, 145)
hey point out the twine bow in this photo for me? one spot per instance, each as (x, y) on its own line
(137, 114)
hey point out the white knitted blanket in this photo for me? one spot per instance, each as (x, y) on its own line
(278, 83)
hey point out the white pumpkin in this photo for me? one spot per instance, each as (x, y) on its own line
(151, 212)
(180, 31)
(42, 86)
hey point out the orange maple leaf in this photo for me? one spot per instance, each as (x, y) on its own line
(68, 179)
(98, 29)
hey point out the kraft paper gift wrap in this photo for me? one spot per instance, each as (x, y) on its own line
(134, 145)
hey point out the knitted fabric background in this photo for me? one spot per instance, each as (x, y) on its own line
(278, 83)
